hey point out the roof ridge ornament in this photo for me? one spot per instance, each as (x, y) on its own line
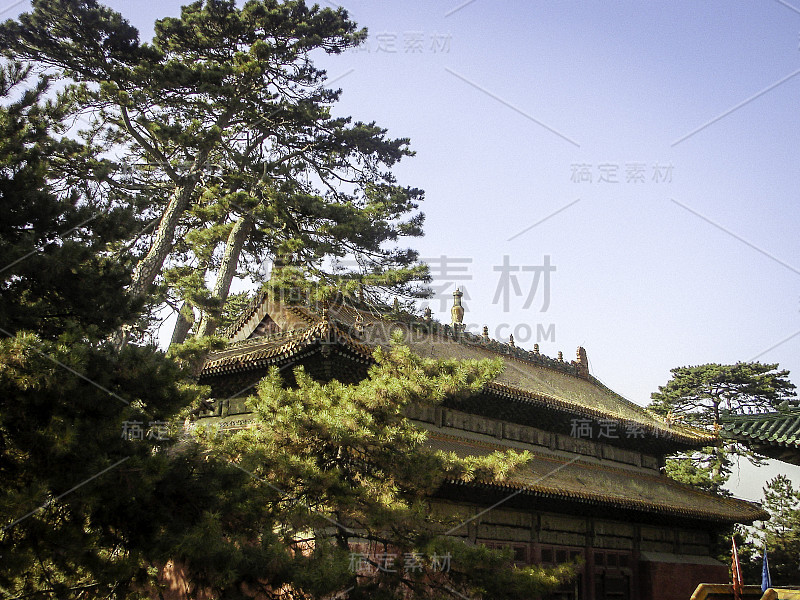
(326, 315)
(457, 312)
(582, 363)
(359, 324)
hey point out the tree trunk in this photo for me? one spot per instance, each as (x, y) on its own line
(183, 325)
(227, 269)
(150, 266)
(186, 318)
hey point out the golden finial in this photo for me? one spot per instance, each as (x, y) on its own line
(457, 312)
(325, 314)
(359, 324)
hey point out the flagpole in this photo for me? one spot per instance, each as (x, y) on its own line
(766, 579)
(736, 571)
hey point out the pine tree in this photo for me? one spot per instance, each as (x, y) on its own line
(780, 535)
(696, 395)
(54, 237)
(782, 532)
(224, 114)
(76, 495)
(101, 488)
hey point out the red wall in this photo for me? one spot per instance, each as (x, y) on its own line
(676, 581)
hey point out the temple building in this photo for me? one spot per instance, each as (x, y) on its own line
(595, 488)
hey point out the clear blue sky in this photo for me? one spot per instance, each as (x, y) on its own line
(697, 263)
(527, 112)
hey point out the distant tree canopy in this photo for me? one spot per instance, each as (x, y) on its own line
(695, 395)
(780, 535)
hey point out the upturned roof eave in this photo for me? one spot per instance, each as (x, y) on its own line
(687, 504)
(252, 356)
(758, 513)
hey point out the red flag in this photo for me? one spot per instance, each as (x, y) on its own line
(736, 571)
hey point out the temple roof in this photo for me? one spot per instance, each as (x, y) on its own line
(529, 378)
(531, 385)
(555, 477)
(774, 434)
